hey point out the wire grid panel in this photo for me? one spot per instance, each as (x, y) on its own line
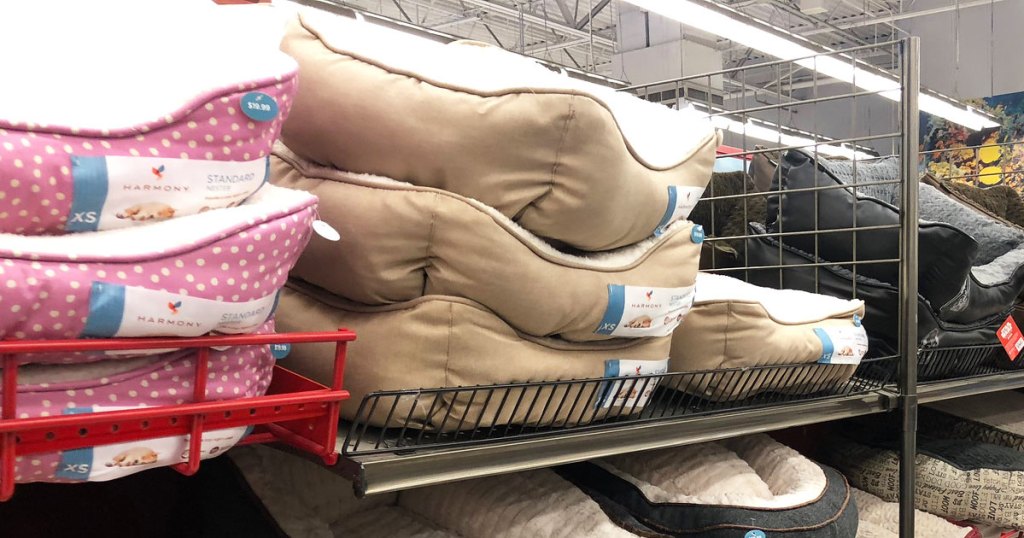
(468, 416)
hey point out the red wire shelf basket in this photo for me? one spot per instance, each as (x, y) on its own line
(295, 410)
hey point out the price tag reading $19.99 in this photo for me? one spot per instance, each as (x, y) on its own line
(1011, 338)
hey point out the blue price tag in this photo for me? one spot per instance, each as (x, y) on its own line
(280, 351)
(754, 534)
(259, 106)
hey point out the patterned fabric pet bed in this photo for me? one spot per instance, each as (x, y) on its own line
(216, 271)
(108, 385)
(438, 341)
(956, 479)
(993, 418)
(496, 127)
(725, 489)
(531, 503)
(400, 242)
(734, 324)
(880, 519)
(971, 264)
(190, 133)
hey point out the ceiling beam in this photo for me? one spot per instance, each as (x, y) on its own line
(454, 22)
(593, 13)
(872, 20)
(566, 12)
(540, 21)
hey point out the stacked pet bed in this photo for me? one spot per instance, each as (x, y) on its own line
(970, 263)
(956, 479)
(503, 130)
(736, 325)
(723, 489)
(495, 246)
(444, 341)
(112, 384)
(149, 192)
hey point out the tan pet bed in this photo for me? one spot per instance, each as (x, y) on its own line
(449, 342)
(734, 324)
(566, 159)
(400, 242)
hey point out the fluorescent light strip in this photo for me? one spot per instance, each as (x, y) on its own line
(701, 17)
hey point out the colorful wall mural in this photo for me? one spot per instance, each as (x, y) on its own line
(984, 158)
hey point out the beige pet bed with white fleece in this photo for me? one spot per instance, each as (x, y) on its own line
(437, 341)
(733, 324)
(531, 503)
(568, 160)
(400, 242)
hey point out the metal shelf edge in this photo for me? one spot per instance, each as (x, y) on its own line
(374, 474)
(958, 388)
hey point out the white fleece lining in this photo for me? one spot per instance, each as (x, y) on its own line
(115, 64)
(792, 307)
(659, 135)
(608, 259)
(157, 239)
(749, 472)
(880, 519)
(998, 409)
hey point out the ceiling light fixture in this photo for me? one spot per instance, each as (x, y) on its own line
(731, 24)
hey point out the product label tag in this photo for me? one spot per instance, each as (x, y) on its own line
(681, 201)
(107, 462)
(635, 311)
(842, 345)
(280, 351)
(1009, 335)
(630, 392)
(129, 311)
(117, 192)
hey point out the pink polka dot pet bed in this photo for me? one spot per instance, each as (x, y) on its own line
(215, 271)
(113, 384)
(94, 142)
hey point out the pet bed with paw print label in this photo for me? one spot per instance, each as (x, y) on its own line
(400, 242)
(120, 129)
(734, 324)
(568, 160)
(956, 478)
(116, 384)
(747, 486)
(437, 341)
(216, 271)
(530, 503)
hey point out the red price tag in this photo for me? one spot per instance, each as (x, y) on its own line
(1009, 335)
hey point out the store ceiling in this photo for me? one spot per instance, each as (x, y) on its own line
(582, 33)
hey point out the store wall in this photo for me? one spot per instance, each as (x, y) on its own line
(991, 42)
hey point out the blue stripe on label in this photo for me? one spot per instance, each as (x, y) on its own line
(611, 369)
(613, 314)
(89, 175)
(266, 169)
(106, 310)
(273, 309)
(827, 347)
(673, 196)
(75, 464)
